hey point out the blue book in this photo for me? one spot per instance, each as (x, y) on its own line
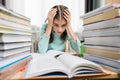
(9, 61)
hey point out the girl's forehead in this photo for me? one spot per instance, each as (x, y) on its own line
(60, 21)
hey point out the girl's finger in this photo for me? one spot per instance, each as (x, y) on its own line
(65, 14)
(67, 11)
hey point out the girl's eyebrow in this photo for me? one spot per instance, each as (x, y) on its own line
(64, 24)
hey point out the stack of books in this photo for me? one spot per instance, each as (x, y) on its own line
(15, 42)
(112, 1)
(102, 35)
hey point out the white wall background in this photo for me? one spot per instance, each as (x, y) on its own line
(16, 5)
(37, 10)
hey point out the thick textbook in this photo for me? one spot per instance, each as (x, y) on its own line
(60, 63)
(112, 64)
(3, 8)
(10, 65)
(13, 16)
(112, 54)
(12, 69)
(100, 10)
(103, 24)
(6, 38)
(8, 46)
(104, 41)
(112, 1)
(14, 29)
(109, 14)
(5, 53)
(7, 62)
(14, 25)
(115, 31)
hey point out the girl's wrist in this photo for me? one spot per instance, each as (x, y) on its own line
(50, 24)
(69, 26)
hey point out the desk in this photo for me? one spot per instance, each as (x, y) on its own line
(112, 75)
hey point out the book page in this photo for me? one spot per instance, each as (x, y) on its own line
(54, 53)
(74, 62)
(42, 64)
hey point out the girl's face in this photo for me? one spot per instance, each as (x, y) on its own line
(59, 26)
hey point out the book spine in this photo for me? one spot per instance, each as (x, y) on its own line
(13, 24)
(109, 14)
(12, 38)
(14, 19)
(7, 46)
(3, 8)
(104, 53)
(103, 24)
(15, 29)
(109, 41)
(98, 11)
(112, 1)
(103, 32)
(104, 61)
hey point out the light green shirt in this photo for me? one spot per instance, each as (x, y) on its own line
(57, 43)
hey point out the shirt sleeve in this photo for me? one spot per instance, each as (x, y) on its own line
(75, 44)
(44, 40)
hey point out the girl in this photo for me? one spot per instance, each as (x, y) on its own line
(58, 29)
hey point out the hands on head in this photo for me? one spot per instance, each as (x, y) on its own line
(51, 15)
(59, 12)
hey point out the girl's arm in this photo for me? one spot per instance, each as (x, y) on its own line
(51, 15)
(44, 40)
(46, 31)
(67, 16)
(74, 41)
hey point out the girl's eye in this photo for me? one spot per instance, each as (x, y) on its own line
(55, 25)
(63, 25)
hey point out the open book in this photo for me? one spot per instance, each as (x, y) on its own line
(60, 63)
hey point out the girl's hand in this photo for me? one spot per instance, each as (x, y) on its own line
(67, 16)
(51, 15)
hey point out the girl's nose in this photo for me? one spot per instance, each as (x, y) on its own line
(60, 29)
